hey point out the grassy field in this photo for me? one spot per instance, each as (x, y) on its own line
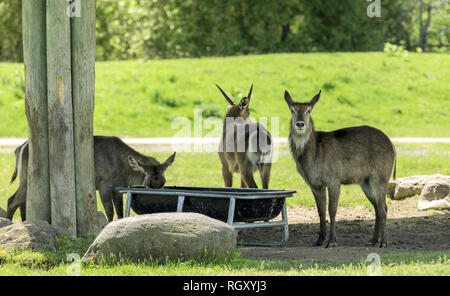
(48, 263)
(189, 166)
(403, 96)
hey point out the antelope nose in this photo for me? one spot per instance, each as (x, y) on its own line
(300, 124)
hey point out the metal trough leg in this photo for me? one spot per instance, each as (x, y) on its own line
(283, 222)
(128, 204)
(231, 209)
(180, 203)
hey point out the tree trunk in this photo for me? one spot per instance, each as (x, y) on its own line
(424, 28)
(83, 80)
(34, 44)
(285, 30)
(60, 119)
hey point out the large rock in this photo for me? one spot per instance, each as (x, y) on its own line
(435, 195)
(2, 213)
(29, 235)
(162, 236)
(4, 222)
(409, 186)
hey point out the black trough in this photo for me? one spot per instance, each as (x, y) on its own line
(230, 205)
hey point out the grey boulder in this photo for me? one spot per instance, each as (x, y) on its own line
(28, 235)
(162, 236)
(4, 222)
(435, 195)
(2, 213)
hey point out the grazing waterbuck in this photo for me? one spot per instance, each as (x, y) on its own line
(116, 165)
(356, 155)
(245, 146)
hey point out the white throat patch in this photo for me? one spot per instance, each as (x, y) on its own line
(300, 142)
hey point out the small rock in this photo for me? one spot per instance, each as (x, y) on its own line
(28, 235)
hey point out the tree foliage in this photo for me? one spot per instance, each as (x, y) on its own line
(130, 29)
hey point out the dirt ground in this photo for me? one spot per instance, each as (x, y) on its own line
(408, 230)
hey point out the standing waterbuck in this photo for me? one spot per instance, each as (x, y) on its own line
(116, 165)
(245, 146)
(356, 155)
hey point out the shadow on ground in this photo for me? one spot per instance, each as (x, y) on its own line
(408, 230)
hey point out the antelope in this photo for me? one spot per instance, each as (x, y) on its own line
(355, 155)
(245, 146)
(116, 165)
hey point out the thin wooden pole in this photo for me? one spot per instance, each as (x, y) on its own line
(60, 119)
(34, 47)
(83, 84)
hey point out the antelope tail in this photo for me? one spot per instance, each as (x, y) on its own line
(19, 153)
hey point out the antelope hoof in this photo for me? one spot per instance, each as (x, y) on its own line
(331, 245)
(319, 242)
(372, 243)
(382, 245)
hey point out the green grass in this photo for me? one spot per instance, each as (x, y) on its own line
(37, 263)
(203, 169)
(186, 171)
(403, 96)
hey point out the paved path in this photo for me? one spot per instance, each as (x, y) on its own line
(14, 142)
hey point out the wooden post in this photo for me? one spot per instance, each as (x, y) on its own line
(83, 83)
(60, 119)
(59, 57)
(34, 45)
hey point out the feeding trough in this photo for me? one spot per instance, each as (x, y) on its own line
(241, 208)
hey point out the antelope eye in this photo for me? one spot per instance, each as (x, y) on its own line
(308, 111)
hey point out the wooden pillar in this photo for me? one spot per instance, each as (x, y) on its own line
(59, 56)
(83, 84)
(60, 119)
(34, 47)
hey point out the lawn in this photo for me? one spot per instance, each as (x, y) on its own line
(47, 263)
(403, 96)
(186, 171)
(203, 169)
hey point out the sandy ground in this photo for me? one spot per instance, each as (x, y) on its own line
(408, 230)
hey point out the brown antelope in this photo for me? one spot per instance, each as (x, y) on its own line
(245, 146)
(356, 155)
(116, 165)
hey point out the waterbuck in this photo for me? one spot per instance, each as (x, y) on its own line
(116, 165)
(356, 155)
(245, 146)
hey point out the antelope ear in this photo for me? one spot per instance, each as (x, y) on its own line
(287, 98)
(170, 160)
(135, 165)
(315, 99)
(230, 101)
(249, 96)
(244, 103)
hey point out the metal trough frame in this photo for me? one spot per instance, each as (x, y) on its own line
(270, 194)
